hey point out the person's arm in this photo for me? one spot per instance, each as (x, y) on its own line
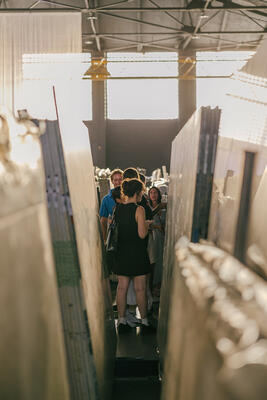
(142, 224)
(103, 213)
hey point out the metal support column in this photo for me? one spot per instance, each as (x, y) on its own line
(97, 128)
(187, 87)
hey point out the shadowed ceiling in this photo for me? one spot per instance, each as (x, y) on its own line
(159, 25)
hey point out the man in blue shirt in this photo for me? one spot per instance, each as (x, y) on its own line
(108, 203)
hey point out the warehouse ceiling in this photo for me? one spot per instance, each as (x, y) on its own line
(159, 25)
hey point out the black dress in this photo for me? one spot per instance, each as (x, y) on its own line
(131, 258)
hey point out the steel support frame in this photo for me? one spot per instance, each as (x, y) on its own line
(178, 33)
(92, 22)
(184, 33)
(107, 9)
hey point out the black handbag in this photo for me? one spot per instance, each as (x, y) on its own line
(113, 234)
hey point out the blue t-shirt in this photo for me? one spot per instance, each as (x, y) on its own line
(107, 205)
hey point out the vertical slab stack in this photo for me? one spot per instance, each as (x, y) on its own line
(32, 353)
(216, 343)
(191, 174)
(83, 276)
(217, 339)
(81, 364)
(237, 218)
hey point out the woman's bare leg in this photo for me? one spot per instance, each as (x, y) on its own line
(123, 283)
(140, 292)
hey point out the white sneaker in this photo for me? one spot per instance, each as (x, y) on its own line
(131, 319)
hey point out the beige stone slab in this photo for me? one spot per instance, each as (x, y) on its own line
(32, 354)
(81, 182)
(179, 219)
(216, 346)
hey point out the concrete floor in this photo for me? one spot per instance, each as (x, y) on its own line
(141, 389)
(136, 369)
(134, 345)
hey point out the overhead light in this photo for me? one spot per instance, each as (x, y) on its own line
(91, 16)
(203, 15)
(97, 70)
(195, 37)
(88, 42)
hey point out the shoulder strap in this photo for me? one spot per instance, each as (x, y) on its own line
(156, 210)
(115, 212)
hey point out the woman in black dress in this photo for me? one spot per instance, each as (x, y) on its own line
(131, 260)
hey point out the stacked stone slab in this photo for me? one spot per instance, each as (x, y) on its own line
(81, 363)
(235, 231)
(83, 277)
(216, 347)
(191, 176)
(32, 352)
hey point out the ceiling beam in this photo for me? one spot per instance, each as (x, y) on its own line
(150, 47)
(35, 4)
(167, 13)
(106, 10)
(111, 5)
(139, 28)
(143, 22)
(236, 42)
(152, 43)
(189, 14)
(229, 3)
(222, 29)
(256, 18)
(56, 3)
(228, 6)
(110, 34)
(209, 19)
(180, 77)
(93, 27)
(196, 28)
(40, 10)
(242, 46)
(251, 19)
(143, 43)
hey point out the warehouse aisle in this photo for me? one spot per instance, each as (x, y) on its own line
(136, 367)
(137, 363)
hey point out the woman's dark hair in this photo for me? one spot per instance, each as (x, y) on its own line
(142, 177)
(159, 195)
(130, 173)
(116, 193)
(132, 186)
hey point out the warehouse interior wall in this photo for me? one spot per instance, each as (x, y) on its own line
(145, 143)
(142, 143)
